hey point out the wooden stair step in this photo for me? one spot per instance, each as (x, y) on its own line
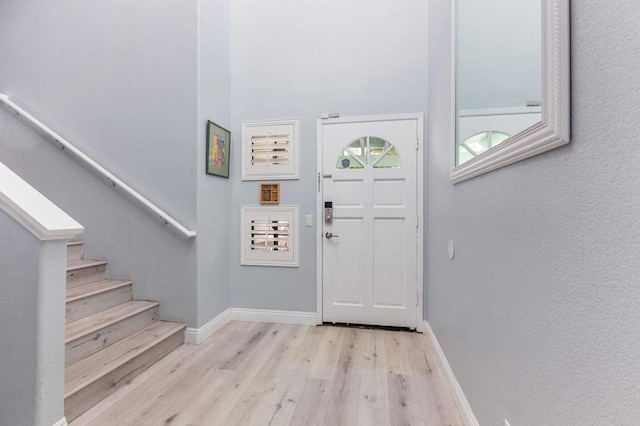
(85, 271)
(100, 330)
(92, 298)
(75, 250)
(93, 378)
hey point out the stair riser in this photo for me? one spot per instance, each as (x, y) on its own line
(86, 275)
(78, 403)
(91, 343)
(99, 302)
(74, 252)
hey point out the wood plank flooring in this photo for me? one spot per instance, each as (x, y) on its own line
(274, 374)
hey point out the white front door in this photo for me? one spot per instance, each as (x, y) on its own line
(370, 246)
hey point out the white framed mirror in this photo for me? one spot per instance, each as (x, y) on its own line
(510, 62)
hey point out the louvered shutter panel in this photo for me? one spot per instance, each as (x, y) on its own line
(270, 150)
(269, 235)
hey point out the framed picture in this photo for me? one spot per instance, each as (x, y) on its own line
(218, 150)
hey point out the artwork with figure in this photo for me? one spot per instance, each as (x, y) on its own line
(218, 150)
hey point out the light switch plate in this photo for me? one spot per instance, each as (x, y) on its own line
(308, 220)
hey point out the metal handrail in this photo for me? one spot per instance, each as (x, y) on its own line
(104, 172)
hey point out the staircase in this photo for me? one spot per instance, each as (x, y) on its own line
(110, 338)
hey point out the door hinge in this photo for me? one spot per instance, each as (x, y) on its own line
(318, 182)
(417, 297)
(417, 144)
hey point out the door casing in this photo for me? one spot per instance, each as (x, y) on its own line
(419, 118)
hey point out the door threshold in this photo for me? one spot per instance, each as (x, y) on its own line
(369, 326)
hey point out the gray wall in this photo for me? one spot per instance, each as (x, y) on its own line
(499, 53)
(539, 312)
(307, 58)
(32, 291)
(214, 103)
(136, 244)
(120, 82)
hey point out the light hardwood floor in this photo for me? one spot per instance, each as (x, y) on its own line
(273, 374)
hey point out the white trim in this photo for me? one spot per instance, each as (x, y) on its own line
(499, 111)
(98, 168)
(464, 408)
(553, 130)
(61, 422)
(195, 336)
(33, 210)
(371, 118)
(289, 172)
(419, 117)
(319, 222)
(280, 317)
(269, 258)
(421, 222)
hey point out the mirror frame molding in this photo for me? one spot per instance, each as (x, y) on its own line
(554, 129)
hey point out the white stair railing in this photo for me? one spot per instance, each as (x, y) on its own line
(115, 181)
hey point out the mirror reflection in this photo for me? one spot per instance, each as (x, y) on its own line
(498, 72)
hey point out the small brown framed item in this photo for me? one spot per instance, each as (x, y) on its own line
(218, 150)
(269, 193)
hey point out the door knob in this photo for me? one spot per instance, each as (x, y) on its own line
(329, 235)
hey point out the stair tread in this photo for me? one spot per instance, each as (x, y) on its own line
(87, 370)
(73, 265)
(97, 287)
(95, 322)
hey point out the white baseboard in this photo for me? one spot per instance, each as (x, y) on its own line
(61, 422)
(196, 336)
(468, 417)
(280, 317)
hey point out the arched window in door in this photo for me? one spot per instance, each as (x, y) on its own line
(369, 151)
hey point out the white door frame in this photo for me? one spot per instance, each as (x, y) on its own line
(419, 117)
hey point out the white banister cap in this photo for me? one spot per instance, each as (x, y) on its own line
(33, 210)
